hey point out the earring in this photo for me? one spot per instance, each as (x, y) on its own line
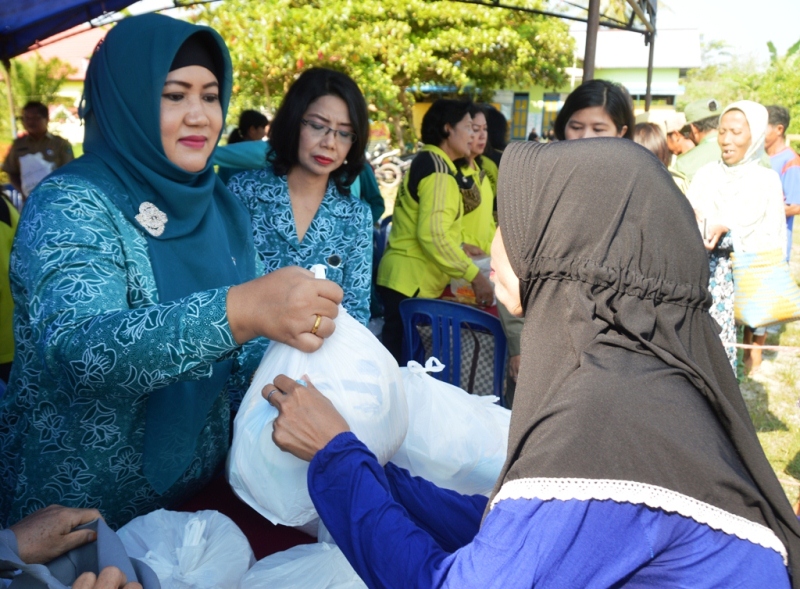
(345, 162)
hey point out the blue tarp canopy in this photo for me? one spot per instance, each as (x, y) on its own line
(25, 22)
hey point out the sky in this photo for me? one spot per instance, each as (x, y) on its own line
(746, 25)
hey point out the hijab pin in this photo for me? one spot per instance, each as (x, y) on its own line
(151, 218)
(334, 261)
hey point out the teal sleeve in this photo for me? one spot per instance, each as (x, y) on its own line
(89, 303)
(247, 155)
(371, 193)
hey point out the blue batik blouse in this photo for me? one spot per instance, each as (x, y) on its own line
(93, 342)
(339, 237)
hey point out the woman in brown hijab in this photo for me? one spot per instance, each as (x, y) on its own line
(632, 458)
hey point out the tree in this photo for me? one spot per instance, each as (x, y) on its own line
(32, 79)
(39, 80)
(390, 47)
(734, 79)
(780, 84)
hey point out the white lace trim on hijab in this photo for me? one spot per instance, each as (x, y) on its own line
(564, 489)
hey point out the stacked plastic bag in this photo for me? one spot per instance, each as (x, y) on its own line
(455, 440)
(362, 380)
(202, 550)
(310, 566)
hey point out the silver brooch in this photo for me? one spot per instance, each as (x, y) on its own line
(152, 219)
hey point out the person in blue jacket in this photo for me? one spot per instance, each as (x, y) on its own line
(632, 459)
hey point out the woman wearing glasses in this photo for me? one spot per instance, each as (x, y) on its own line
(300, 204)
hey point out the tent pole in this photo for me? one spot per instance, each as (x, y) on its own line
(649, 93)
(11, 108)
(592, 24)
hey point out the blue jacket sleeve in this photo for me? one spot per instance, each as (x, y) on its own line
(353, 498)
(523, 543)
(450, 518)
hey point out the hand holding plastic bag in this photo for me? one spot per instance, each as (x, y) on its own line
(203, 550)
(455, 440)
(362, 380)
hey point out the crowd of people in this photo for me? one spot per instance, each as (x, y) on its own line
(147, 287)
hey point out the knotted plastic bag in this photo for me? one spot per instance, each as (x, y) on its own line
(202, 550)
(455, 440)
(362, 380)
(310, 566)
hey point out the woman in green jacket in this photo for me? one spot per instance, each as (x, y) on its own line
(424, 250)
(478, 225)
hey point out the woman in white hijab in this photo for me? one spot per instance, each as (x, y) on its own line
(739, 204)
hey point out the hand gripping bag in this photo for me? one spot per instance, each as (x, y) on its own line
(308, 566)
(455, 440)
(362, 380)
(202, 550)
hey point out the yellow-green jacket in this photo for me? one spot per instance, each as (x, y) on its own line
(478, 225)
(424, 250)
(9, 217)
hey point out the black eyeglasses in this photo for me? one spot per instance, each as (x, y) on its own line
(320, 130)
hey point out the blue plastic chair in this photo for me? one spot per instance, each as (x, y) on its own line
(447, 321)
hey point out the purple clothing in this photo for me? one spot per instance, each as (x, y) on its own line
(787, 165)
(400, 531)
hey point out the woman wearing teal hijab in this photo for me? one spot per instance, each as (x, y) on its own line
(137, 307)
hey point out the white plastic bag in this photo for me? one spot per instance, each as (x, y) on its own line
(308, 566)
(202, 550)
(362, 380)
(462, 289)
(455, 440)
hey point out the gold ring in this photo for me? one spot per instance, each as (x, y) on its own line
(316, 325)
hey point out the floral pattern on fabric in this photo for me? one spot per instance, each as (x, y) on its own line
(339, 237)
(92, 343)
(720, 284)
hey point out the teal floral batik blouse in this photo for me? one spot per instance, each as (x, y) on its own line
(93, 342)
(339, 237)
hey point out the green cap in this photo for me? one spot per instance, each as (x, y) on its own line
(702, 109)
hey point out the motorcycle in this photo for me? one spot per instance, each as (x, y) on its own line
(388, 165)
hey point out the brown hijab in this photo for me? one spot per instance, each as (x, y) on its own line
(625, 392)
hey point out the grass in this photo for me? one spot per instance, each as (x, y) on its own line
(772, 398)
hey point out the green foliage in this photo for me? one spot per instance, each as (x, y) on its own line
(37, 79)
(728, 81)
(388, 47)
(31, 79)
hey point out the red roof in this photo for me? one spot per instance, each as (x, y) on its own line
(74, 46)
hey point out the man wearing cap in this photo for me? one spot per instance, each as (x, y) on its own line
(36, 154)
(703, 118)
(786, 163)
(677, 142)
